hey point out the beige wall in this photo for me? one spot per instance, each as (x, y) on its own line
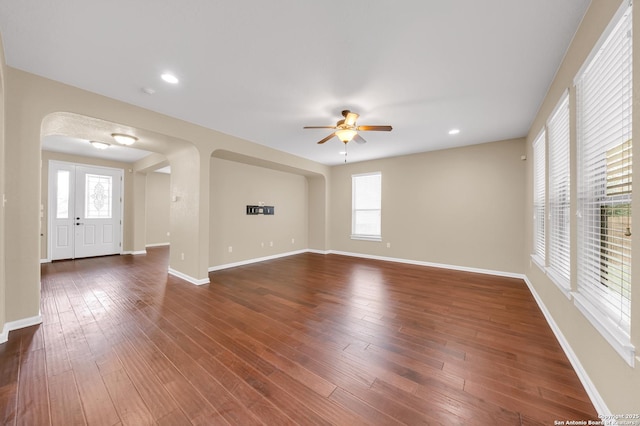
(2, 192)
(617, 383)
(157, 208)
(460, 207)
(233, 187)
(127, 218)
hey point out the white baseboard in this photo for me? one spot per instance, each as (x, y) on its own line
(590, 388)
(318, 251)
(430, 264)
(368, 256)
(45, 261)
(134, 253)
(16, 325)
(157, 245)
(255, 260)
(188, 278)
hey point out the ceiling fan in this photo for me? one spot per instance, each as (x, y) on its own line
(346, 129)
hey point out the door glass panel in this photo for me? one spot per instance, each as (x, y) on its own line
(62, 191)
(98, 197)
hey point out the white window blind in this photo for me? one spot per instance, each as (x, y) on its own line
(366, 206)
(604, 104)
(539, 168)
(559, 207)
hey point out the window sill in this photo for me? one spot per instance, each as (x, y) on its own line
(560, 282)
(539, 262)
(366, 237)
(618, 339)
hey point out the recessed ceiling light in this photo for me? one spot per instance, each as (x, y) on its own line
(123, 139)
(454, 131)
(99, 145)
(169, 78)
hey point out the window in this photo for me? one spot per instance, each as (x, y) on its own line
(62, 194)
(539, 198)
(366, 204)
(98, 197)
(604, 103)
(559, 207)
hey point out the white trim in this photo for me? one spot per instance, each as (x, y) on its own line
(539, 262)
(560, 282)
(188, 278)
(368, 256)
(605, 326)
(15, 325)
(624, 7)
(259, 259)
(592, 391)
(316, 251)
(45, 261)
(366, 237)
(430, 264)
(134, 253)
(157, 245)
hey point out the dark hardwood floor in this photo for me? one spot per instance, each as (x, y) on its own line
(307, 339)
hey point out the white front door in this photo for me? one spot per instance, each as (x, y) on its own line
(85, 208)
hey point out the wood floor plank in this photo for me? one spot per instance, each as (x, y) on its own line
(66, 407)
(126, 399)
(33, 394)
(96, 401)
(305, 339)
(155, 396)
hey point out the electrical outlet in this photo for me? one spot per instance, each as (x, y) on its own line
(230, 249)
(168, 234)
(262, 245)
(270, 243)
(293, 241)
(181, 256)
(388, 245)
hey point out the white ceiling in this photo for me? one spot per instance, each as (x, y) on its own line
(261, 70)
(76, 146)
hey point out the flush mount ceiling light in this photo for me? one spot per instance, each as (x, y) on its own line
(454, 131)
(99, 145)
(169, 78)
(123, 139)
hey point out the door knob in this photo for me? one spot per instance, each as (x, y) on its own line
(78, 223)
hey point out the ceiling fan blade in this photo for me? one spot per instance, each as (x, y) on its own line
(319, 127)
(358, 139)
(350, 118)
(376, 128)
(327, 138)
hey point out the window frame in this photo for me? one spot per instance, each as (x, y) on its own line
(559, 195)
(354, 209)
(593, 297)
(539, 199)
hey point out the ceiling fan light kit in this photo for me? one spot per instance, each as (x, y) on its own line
(345, 135)
(346, 129)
